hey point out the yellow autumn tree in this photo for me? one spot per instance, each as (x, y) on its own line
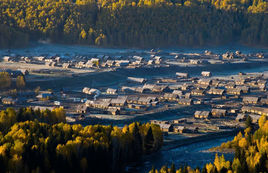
(242, 143)
(209, 167)
(262, 120)
(83, 34)
(20, 82)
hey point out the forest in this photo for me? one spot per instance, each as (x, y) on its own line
(40, 141)
(250, 154)
(134, 23)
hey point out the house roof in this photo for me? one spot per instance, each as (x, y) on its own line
(219, 111)
(214, 90)
(177, 92)
(202, 113)
(185, 100)
(250, 99)
(119, 100)
(180, 127)
(140, 80)
(111, 90)
(170, 95)
(82, 107)
(165, 126)
(240, 116)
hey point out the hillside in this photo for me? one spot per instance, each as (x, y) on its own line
(134, 23)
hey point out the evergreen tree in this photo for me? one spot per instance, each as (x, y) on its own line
(172, 168)
(248, 122)
(137, 142)
(149, 141)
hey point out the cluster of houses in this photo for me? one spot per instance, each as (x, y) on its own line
(140, 95)
(234, 97)
(177, 126)
(133, 61)
(79, 62)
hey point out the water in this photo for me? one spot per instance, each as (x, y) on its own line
(191, 155)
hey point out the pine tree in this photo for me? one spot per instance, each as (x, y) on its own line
(149, 141)
(172, 168)
(249, 122)
(137, 142)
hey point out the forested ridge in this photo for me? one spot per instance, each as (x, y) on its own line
(39, 141)
(251, 153)
(134, 23)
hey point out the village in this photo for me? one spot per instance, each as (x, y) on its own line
(56, 65)
(210, 103)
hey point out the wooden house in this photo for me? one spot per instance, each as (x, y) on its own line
(182, 75)
(179, 129)
(192, 129)
(166, 127)
(82, 109)
(234, 91)
(177, 92)
(197, 92)
(114, 110)
(132, 99)
(245, 89)
(185, 101)
(255, 118)
(241, 117)
(179, 121)
(215, 83)
(230, 85)
(185, 87)
(170, 97)
(264, 101)
(215, 91)
(110, 63)
(205, 81)
(250, 100)
(218, 112)
(66, 65)
(255, 110)
(136, 106)
(119, 101)
(206, 73)
(6, 58)
(195, 61)
(202, 114)
(138, 80)
(111, 91)
(161, 88)
(187, 95)
(8, 101)
(144, 100)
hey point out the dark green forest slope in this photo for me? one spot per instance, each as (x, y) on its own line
(134, 23)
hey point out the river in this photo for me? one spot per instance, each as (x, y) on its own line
(192, 155)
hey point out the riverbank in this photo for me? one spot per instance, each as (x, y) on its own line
(191, 154)
(168, 145)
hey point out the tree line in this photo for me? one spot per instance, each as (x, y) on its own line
(40, 141)
(9, 116)
(134, 23)
(251, 153)
(6, 81)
